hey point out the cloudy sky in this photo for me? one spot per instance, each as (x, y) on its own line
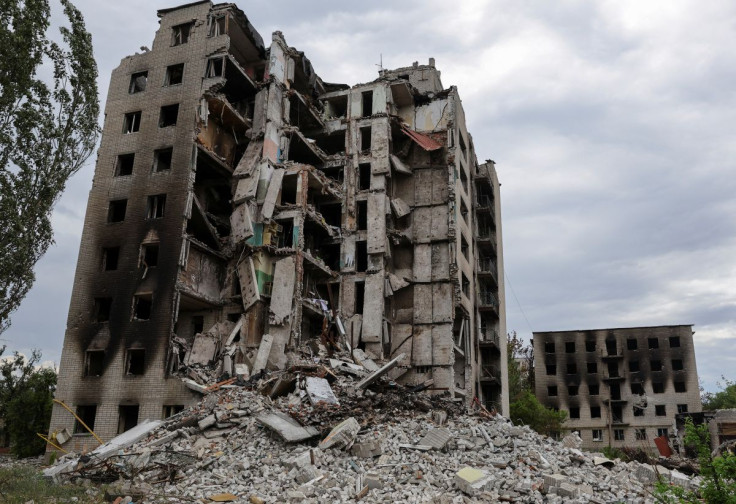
(611, 123)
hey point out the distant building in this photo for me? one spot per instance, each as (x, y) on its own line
(620, 387)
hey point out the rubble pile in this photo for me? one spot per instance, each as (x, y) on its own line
(337, 432)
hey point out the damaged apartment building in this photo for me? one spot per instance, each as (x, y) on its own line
(243, 210)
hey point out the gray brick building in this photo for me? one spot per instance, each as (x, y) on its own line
(240, 201)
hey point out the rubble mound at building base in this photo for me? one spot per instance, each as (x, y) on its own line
(310, 434)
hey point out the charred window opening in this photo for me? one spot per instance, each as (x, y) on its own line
(590, 346)
(135, 360)
(174, 74)
(674, 341)
(168, 115)
(330, 254)
(127, 417)
(116, 210)
(110, 257)
(549, 347)
(364, 176)
(574, 412)
(658, 387)
(572, 390)
(367, 100)
(593, 389)
(634, 366)
(611, 347)
(336, 106)
(641, 434)
(465, 285)
(655, 365)
(362, 215)
(333, 143)
(662, 431)
(180, 34)
(552, 390)
(336, 173)
(463, 148)
(217, 25)
(592, 367)
(332, 213)
(677, 365)
(660, 410)
(597, 434)
(132, 122)
(617, 413)
(613, 370)
(162, 159)
(464, 249)
(124, 165)
(572, 368)
(142, 307)
(215, 67)
(149, 255)
(551, 369)
(359, 297)
(464, 179)
(638, 411)
(570, 347)
(637, 389)
(680, 386)
(631, 344)
(595, 412)
(615, 391)
(285, 238)
(138, 82)
(682, 408)
(156, 206)
(93, 362)
(102, 309)
(365, 138)
(464, 211)
(197, 324)
(653, 343)
(618, 434)
(361, 256)
(87, 414)
(172, 409)
(288, 190)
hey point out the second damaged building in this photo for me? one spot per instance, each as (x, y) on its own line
(246, 210)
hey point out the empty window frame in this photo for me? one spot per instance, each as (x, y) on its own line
(660, 410)
(570, 347)
(551, 369)
(465, 285)
(168, 115)
(197, 324)
(655, 365)
(574, 412)
(674, 341)
(156, 206)
(127, 417)
(464, 247)
(359, 297)
(180, 34)
(162, 159)
(658, 387)
(116, 210)
(682, 408)
(631, 344)
(131, 122)
(593, 389)
(364, 176)
(634, 366)
(592, 367)
(653, 343)
(216, 25)
(124, 165)
(362, 217)
(552, 390)
(572, 390)
(93, 362)
(680, 386)
(662, 431)
(637, 389)
(677, 365)
(640, 434)
(590, 346)
(174, 74)
(365, 138)
(367, 101)
(110, 256)
(549, 347)
(618, 434)
(149, 255)
(595, 412)
(142, 307)
(102, 309)
(135, 360)
(638, 411)
(215, 67)
(138, 82)
(361, 256)
(572, 368)
(172, 409)
(597, 435)
(87, 414)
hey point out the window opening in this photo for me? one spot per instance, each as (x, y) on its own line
(365, 138)
(641, 434)
(87, 414)
(362, 215)
(658, 387)
(156, 206)
(662, 431)
(162, 159)
(660, 410)
(132, 122)
(674, 341)
(655, 365)
(110, 257)
(174, 74)
(364, 176)
(595, 412)
(217, 26)
(631, 344)
(367, 97)
(93, 362)
(592, 367)
(141, 308)
(215, 67)
(128, 417)
(172, 409)
(168, 115)
(618, 434)
(590, 346)
(197, 324)
(138, 82)
(149, 255)
(653, 343)
(597, 435)
(680, 386)
(593, 389)
(552, 390)
(677, 365)
(574, 413)
(124, 165)
(572, 390)
(135, 360)
(551, 370)
(634, 366)
(180, 34)
(102, 309)
(682, 408)
(359, 297)
(116, 210)
(549, 347)
(361, 256)
(570, 347)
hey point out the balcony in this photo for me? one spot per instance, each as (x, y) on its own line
(486, 267)
(488, 338)
(487, 301)
(485, 237)
(490, 373)
(484, 204)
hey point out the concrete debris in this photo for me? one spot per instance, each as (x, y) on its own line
(319, 391)
(380, 372)
(383, 443)
(573, 440)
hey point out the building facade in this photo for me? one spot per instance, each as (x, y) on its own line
(240, 202)
(620, 387)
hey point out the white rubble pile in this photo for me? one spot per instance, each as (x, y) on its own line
(388, 445)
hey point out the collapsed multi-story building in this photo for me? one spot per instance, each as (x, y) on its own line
(242, 204)
(619, 387)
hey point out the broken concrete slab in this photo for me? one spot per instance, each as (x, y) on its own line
(192, 385)
(282, 294)
(380, 372)
(471, 481)
(361, 358)
(341, 435)
(264, 349)
(319, 391)
(126, 439)
(436, 438)
(203, 351)
(285, 426)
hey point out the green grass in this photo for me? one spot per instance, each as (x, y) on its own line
(19, 484)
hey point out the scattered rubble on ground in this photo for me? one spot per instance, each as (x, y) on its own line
(329, 430)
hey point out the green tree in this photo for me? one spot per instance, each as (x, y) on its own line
(47, 131)
(529, 411)
(724, 399)
(718, 473)
(26, 399)
(520, 366)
